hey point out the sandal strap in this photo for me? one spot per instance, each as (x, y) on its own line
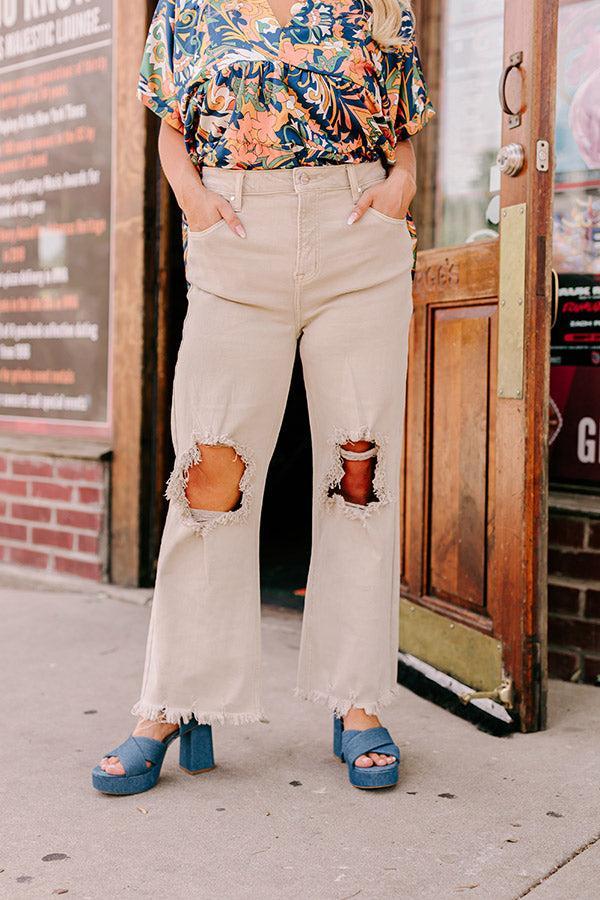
(136, 751)
(372, 740)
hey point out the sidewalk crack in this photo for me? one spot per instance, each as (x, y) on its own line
(559, 866)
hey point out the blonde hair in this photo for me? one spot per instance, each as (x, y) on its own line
(386, 21)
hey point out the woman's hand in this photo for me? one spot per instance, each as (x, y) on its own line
(204, 208)
(201, 207)
(392, 197)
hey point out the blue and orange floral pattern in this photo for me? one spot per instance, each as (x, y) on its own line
(248, 93)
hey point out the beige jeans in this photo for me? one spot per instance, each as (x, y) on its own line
(344, 291)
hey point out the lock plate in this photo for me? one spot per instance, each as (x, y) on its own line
(511, 301)
(542, 156)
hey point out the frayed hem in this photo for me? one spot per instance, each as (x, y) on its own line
(178, 480)
(331, 484)
(173, 715)
(341, 707)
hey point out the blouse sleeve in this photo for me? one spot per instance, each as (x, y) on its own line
(410, 103)
(156, 86)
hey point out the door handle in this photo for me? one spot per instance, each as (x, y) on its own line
(514, 62)
(510, 159)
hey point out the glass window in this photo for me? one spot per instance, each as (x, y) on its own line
(470, 122)
(577, 195)
(575, 370)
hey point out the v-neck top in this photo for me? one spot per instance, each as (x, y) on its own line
(247, 92)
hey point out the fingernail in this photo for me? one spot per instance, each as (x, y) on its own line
(352, 218)
(239, 229)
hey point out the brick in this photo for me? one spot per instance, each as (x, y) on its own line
(594, 537)
(88, 495)
(566, 531)
(31, 513)
(88, 543)
(80, 567)
(3, 464)
(592, 604)
(17, 488)
(564, 632)
(583, 564)
(51, 491)
(52, 538)
(562, 599)
(562, 664)
(21, 556)
(13, 532)
(74, 471)
(2, 508)
(29, 467)
(74, 518)
(591, 669)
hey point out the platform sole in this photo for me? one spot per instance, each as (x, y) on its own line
(123, 785)
(368, 787)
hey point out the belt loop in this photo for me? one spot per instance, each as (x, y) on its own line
(355, 187)
(236, 200)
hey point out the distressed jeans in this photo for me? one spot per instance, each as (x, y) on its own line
(345, 293)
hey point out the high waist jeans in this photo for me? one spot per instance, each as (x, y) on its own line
(344, 292)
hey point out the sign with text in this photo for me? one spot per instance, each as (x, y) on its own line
(55, 210)
(575, 425)
(576, 333)
(575, 381)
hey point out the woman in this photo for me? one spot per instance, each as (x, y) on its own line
(285, 138)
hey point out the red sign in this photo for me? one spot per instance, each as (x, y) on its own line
(575, 424)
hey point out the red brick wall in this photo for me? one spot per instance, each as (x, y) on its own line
(574, 597)
(53, 514)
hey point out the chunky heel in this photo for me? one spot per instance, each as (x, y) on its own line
(196, 750)
(338, 727)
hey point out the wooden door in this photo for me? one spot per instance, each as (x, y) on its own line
(473, 604)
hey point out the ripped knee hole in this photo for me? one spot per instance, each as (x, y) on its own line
(211, 483)
(359, 459)
(356, 481)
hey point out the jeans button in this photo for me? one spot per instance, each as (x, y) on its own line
(304, 178)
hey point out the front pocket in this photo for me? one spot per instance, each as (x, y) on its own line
(384, 217)
(205, 231)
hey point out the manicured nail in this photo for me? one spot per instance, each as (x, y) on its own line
(352, 217)
(239, 229)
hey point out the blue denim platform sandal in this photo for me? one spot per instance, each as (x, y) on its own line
(195, 756)
(349, 745)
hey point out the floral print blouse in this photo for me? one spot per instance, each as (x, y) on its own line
(248, 93)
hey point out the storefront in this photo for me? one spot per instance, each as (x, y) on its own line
(78, 323)
(92, 299)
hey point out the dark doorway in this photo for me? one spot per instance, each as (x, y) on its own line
(286, 517)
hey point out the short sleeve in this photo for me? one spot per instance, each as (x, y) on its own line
(410, 104)
(156, 86)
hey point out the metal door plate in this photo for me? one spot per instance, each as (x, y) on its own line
(511, 301)
(469, 655)
(542, 156)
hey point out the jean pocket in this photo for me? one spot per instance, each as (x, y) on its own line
(214, 227)
(384, 217)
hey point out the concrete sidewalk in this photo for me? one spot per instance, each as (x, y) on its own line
(474, 815)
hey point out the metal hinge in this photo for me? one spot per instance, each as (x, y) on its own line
(502, 694)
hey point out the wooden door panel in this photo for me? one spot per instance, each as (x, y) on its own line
(460, 427)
